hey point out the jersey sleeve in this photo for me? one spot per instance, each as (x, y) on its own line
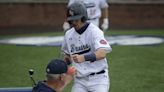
(64, 47)
(100, 41)
(103, 4)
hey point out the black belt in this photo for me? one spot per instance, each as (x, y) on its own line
(103, 71)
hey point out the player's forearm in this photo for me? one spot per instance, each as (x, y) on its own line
(69, 78)
(100, 54)
(97, 55)
(105, 20)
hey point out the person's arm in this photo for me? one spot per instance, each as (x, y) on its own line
(66, 25)
(100, 54)
(69, 76)
(97, 55)
(105, 20)
(67, 79)
(105, 14)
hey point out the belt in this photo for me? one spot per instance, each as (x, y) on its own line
(103, 71)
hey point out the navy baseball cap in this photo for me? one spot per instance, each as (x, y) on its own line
(56, 66)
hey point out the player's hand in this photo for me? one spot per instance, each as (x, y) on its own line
(70, 74)
(71, 71)
(78, 58)
(66, 26)
(67, 60)
(105, 24)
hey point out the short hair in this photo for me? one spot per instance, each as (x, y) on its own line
(52, 76)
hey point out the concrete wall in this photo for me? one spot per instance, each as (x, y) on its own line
(41, 17)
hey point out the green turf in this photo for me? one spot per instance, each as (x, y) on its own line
(137, 69)
(132, 68)
(16, 60)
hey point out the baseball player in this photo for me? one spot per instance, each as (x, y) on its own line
(84, 44)
(95, 9)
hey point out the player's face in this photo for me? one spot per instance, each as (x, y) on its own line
(77, 24)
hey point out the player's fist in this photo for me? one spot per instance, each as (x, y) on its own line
(78, 58)
(70, 74)
(71, 70)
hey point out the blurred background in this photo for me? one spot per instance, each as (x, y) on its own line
(49, 15)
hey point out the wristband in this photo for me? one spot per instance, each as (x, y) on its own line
(90, 57)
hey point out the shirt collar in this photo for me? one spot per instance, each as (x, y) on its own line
(82, 29)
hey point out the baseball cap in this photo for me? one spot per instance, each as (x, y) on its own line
(56, 66)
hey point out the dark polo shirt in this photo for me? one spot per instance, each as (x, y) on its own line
(41, 87)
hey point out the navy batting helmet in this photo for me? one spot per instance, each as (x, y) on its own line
(77, 11)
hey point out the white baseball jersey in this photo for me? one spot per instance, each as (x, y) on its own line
(87, 42)
(93, 9)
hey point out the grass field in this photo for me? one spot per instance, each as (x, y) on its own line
(132, 68)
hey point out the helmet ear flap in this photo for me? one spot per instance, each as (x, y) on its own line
(83, 19)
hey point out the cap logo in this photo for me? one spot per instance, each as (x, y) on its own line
(48, 70)
(71, 12)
